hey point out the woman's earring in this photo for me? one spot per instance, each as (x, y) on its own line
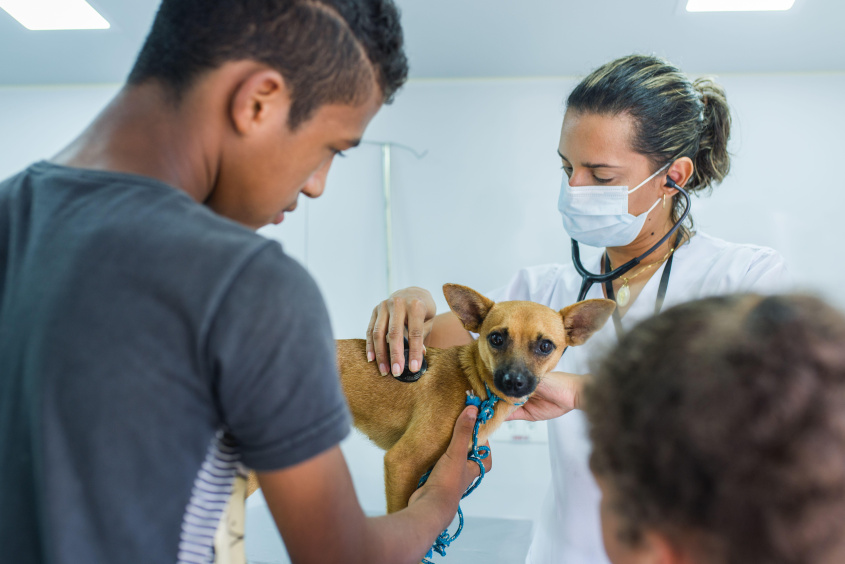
(664, 201)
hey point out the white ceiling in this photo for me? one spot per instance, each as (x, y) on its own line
(490, 38)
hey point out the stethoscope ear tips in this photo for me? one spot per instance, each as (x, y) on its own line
(671, 183)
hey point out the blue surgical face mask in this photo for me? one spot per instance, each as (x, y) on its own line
(598, 215)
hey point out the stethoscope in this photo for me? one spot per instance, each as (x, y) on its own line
(588, 278)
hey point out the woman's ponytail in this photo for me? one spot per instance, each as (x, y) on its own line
(712, 161)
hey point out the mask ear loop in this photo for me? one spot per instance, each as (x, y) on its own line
(661, 169)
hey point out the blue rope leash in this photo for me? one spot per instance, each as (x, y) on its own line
(477, 454)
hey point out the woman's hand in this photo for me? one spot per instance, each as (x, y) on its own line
(413, 308)
(557, 394)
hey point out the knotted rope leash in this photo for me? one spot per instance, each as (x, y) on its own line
(476, 454)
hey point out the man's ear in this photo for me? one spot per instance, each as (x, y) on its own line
(582, 319)
(470, 306)
(261, 97)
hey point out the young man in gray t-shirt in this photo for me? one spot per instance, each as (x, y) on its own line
(152, 346)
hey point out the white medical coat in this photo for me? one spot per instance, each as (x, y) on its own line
(569, 531)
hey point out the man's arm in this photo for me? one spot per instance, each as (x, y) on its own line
(318, 515)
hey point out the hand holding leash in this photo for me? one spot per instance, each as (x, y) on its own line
(480, 456)
(453, 473)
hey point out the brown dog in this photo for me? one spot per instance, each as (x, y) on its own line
(518, 343)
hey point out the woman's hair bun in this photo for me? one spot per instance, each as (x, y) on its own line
(712, 160)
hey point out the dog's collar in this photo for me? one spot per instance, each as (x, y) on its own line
(492, 398)
(492, 395)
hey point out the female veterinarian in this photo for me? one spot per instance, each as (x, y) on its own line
(637, 137)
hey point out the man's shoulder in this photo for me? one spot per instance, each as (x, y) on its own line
(142, 228)
(269, 268)
(146, 216)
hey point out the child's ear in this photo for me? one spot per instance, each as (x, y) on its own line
(582, 319)
(655, 548)
(470, 306)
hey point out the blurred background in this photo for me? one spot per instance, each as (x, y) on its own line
(467, 154)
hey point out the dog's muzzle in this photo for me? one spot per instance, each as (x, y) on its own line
(515, 381)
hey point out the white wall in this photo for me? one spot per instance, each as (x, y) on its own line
(36, 122)
(482, 203)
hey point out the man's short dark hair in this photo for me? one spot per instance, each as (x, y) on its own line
(328, 51)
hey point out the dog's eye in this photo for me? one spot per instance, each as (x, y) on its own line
(496, 340)
(545, 347)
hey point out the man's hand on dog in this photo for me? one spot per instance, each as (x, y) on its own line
(557, 394)
(453, 473)
(413, 308)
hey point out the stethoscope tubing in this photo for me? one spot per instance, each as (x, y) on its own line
(588, 278)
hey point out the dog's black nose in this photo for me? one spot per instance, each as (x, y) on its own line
(516, 383)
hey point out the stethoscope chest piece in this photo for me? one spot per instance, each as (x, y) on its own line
(407, 375)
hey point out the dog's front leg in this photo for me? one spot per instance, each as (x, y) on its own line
(400, 477)
(404, 465)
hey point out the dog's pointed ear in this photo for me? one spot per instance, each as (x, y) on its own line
(470, 306)
(582, 319)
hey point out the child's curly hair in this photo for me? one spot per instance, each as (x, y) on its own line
(723, 419)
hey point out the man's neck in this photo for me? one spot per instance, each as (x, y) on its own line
(141, 132)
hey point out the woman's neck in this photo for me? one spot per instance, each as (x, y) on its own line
(621, 255)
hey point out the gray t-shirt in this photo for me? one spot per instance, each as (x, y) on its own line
(148, 348)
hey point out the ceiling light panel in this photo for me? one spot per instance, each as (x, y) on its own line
(55, 14)
(739, 5)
